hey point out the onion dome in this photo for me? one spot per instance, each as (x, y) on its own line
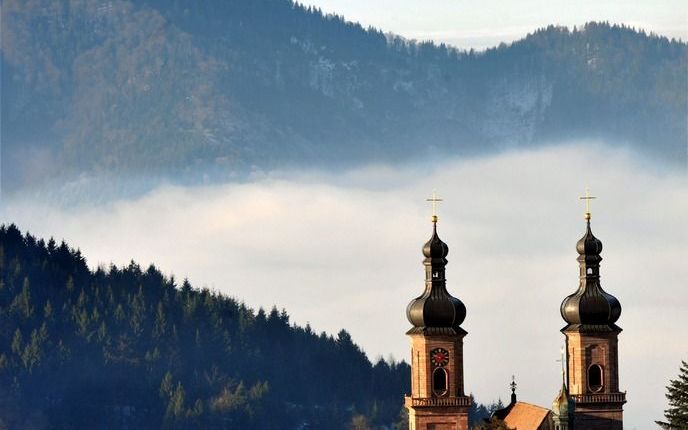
(435, 248)
(435, 311)
(562, 405)
(590, 305)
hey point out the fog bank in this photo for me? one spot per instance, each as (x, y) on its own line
(343, 251)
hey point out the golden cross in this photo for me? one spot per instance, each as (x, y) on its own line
(434, 200)
(587, 199)
(563, 365)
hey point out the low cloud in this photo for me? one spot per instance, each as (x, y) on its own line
(343, 251)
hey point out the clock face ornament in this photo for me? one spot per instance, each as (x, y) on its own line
(439, 357)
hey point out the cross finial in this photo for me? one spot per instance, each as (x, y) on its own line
(563, 364)
(587, 197)
(434, 200)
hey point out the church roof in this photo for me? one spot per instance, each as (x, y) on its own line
(524, 416)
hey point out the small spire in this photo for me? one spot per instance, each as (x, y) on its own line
(434, 200)
(587, 197)
(513, 389)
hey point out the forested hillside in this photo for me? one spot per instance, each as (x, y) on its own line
(197, 91)
(127, 346)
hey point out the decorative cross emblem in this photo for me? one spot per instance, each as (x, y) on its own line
(434, 200)
(587, 197)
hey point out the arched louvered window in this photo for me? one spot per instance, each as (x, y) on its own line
(439, 382)
(595, 378)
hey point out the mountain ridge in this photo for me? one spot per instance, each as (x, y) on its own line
(229, 87)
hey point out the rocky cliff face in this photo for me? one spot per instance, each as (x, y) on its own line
(515, 108)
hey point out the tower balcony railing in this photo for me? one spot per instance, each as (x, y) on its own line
(416, 402)
(600, 398)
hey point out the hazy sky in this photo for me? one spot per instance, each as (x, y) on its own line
(344, 251)
(484, 23)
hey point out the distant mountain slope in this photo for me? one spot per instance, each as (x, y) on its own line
(219, 88)
(127, 348)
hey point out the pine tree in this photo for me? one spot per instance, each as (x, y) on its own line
(677, 393)
(160, 325)
(359, 422)
(166, 386)
(33, 351)
(403, 423)
(22, 302)
(17, 347)
(175, 408)
(48, 310)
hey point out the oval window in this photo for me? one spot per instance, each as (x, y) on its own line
(439, 382)
(595, 378)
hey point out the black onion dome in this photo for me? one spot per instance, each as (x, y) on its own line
(435, 311)
(435, 248)
(590, 304)
(589, 244)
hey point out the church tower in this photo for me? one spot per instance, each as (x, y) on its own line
(591, 344)
(437, 400)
